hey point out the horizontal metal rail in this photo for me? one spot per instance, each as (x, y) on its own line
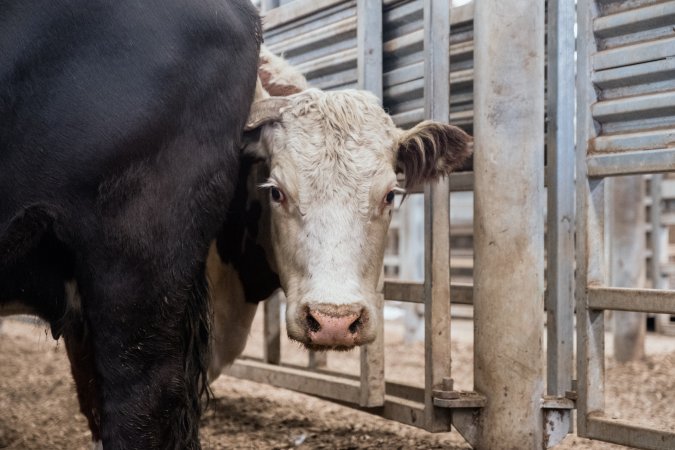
(627, 433)
(660, 70)
(631, 163)
(296, 10)
(402, 291)
(634, 54)
(626, 299)
(402, 403)
(635, 107)
(317, 38)
(298, 379)
(653, 139)
(652, 16)
(459, 182)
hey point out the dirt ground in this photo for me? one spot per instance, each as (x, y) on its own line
(38, 408)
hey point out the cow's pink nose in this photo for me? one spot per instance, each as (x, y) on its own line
(331, 329)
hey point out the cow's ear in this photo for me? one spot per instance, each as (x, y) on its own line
(431, 150)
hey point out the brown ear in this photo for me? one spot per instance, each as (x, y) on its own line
(431, 150)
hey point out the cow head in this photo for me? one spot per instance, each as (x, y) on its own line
(332, 159)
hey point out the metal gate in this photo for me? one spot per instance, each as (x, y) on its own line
(625, 125)
(418, 56)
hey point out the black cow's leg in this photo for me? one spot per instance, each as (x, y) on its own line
(149, 339)
(81, 355)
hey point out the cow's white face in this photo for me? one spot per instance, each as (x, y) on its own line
(332, 159)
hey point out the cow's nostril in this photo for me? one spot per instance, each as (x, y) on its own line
(312, 324)
(355, 326)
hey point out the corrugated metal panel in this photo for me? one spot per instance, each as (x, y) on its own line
(319, 38)
(634, 76)
(404, 63)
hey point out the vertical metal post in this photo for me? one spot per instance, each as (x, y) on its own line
(437, 358)
(411, 257)
(369, 66)
(509, 224)
(659, 257)
(266, 5)
(317, 360)
(590, 236)
(655, 192)
(560, 205)
(627, 263)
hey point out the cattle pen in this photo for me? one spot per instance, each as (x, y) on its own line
(523, 119)
(541, 274)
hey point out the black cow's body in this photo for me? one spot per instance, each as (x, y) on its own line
(119, 134)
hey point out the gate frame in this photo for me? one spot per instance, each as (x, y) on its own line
(593, 295)
(437, 405)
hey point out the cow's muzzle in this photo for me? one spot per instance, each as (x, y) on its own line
(329, 326)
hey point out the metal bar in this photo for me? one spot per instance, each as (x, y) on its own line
(404, 411)
(659, 70)
(634, 54)
(635, 107)
(459, 182)
(509, 222)
(635, 19)
(314, 383)
(344, 389)
(334, 62)
(626, 299)
(560, 204)
(465, 400)
(631, 163)
(404, 291)
(369, 67)
(317, 360)
(317, 38)
(272, 329)
(627, 433)
(554, 402)
(296, 10)
(656, 187)
(652, 139)
(266, 5)
(589, 233)
(437, 359)
(627, 264)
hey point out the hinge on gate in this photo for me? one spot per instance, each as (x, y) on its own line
(568, 401)
(554, 402)
(448, 397)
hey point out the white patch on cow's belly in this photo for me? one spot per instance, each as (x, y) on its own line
(232, 316)
(97, 445)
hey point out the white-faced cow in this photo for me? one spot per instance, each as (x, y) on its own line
(120, 133)
(320, 213)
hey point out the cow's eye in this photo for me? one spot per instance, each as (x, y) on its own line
(277, 195)
(389, 198)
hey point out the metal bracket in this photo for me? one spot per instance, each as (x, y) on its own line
(553, 402)
(558, 416)
(447, 397)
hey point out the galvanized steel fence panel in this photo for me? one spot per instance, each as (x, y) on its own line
(626, 125)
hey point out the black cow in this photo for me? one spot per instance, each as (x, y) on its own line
(120, 125)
